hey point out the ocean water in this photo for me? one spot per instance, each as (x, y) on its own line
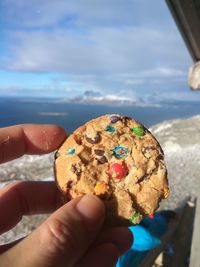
(70, 115)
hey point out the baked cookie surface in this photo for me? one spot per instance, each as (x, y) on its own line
(117, 159)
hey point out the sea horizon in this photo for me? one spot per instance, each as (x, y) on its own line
(17, 110)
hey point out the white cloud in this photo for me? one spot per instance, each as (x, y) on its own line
(102, 50)
(36, 13)
(97, 44)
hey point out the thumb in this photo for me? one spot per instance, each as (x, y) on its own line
(63, 238)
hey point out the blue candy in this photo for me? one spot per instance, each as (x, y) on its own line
(120, 151)
(110, 129)
(71, 151)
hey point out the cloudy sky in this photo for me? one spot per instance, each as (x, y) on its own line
(62, 48)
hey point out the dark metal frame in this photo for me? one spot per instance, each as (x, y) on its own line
(186, 14)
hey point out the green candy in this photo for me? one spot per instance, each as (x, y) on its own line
(138, 130)
(134, 218)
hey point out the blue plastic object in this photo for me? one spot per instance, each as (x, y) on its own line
(146, 237)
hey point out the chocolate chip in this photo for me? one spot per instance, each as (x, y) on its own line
(126, 118)
(76, 169)
(115, 119)
(160, 157)
(99, 152)
(69, 184)
(142, 178)
(77, 139)
(68, 187)
(56, 155)
(102, 159)
(93, 140)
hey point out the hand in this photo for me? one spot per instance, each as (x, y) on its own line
(73, 234)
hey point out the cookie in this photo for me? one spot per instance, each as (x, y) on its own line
(117, 159)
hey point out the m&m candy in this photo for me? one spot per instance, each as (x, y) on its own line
(138, 130)
(117, 171)
(71, 151)
(110, 129)
(151, 216)
(120, 152)
(135, 217)
(115, 119)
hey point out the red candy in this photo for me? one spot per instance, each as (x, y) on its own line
(117, 171)
(151, 216)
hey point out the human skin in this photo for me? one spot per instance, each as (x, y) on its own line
(73, 235)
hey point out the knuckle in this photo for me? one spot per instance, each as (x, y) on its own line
(61, 236)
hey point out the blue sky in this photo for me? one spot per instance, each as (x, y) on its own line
(63, 48)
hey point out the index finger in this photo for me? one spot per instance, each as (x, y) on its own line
(18, 140)
(26, 198)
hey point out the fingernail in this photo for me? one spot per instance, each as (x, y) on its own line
(91, 208)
